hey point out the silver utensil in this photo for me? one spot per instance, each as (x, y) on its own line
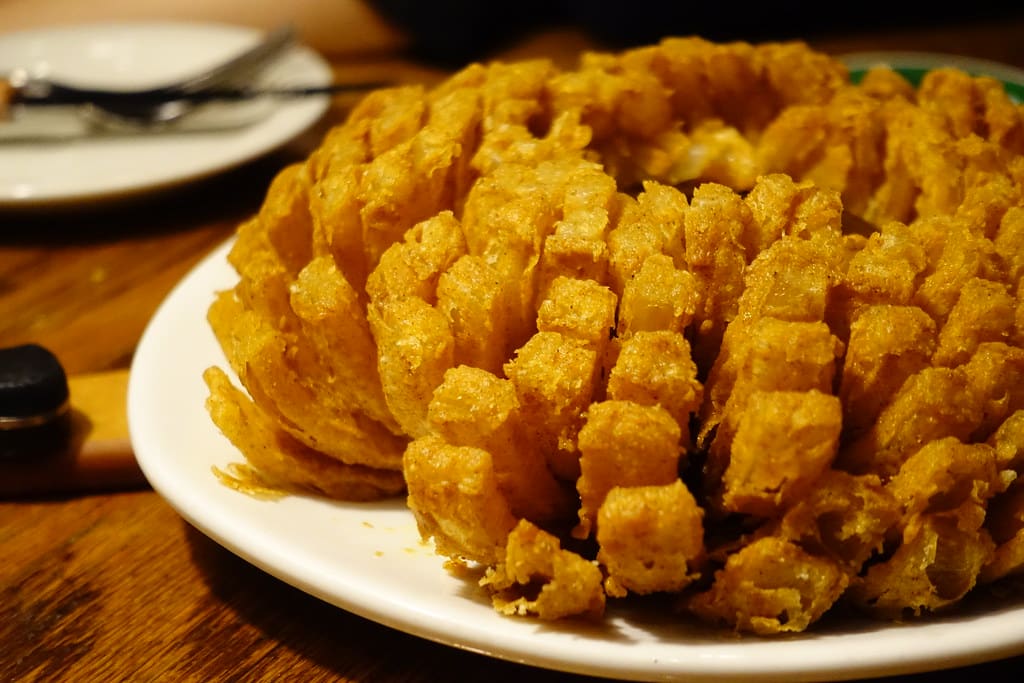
(216, 111)
(150, 107)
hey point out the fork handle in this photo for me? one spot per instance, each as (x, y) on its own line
(6, 96)
(98, 455)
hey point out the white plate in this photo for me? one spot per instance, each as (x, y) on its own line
(136, 55)
(368, 559)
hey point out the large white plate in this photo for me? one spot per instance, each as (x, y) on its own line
(368, 559)
(137, 55)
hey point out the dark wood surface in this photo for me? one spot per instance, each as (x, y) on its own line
(114, 585)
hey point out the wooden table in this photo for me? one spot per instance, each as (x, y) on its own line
(111, 586)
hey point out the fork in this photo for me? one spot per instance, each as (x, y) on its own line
(150, 107)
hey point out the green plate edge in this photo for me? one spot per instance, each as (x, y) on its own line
(929, 62)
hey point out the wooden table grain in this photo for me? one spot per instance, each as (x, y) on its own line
(114, 585)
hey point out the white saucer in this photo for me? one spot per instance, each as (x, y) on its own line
(136, 55)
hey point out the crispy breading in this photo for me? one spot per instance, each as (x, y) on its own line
(277, 374)
(792, 281)
(392, 117)
(965, 255)
(1004, 520)
(580, 309)
(1009, 245)
(937, 562)
(836, 145)
(263, 279)
(887, 345)
(569, 584)
(658, 297)
(886, 271)
(784, 442)
(716, 223)
(883, 83)
(281, 462)
(844, 517)
(555, 377)
(506, 218)
(601, 85)
(412, 267)
(286, 219)
(988, 388)
(656, 368)
(474, 408)
(780, 207)
(337, 228)
(1008, 440)
(771, 586)
(455, 495)
(973, 106)
(411, 181)
(653, 223)
(984, 312)
(716, 152)
(996, 382)
(641, 93)
(516, 292)
(623, 444)
(332, 322)
(989, 193)
(920, 411)
(922, 168)
(416, 348)
(577, 247)
(477, 302)
(651, 539)
(944, 474)
(775, 355)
